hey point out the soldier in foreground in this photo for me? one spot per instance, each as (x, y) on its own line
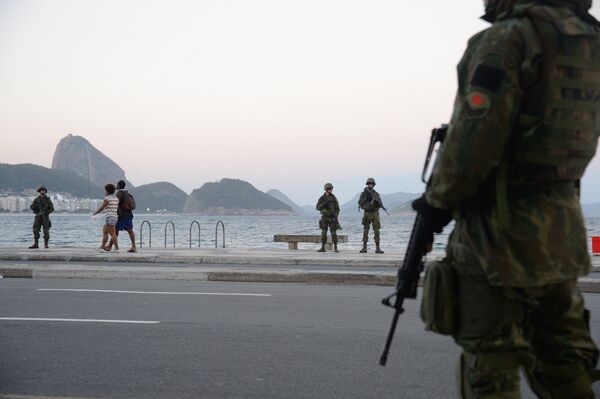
(370, 202)
(524, 128)
(42, 207)
(330, 209)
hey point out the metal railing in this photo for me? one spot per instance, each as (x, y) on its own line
(166, 226)
(149, 234)
(217, 233)
(195, 222)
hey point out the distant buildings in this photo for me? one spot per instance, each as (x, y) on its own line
(62, 203)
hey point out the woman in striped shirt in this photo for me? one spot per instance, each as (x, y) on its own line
(109, 206)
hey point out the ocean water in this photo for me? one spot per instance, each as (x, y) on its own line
(81, 230)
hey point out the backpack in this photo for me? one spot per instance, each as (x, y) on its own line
(128, 202)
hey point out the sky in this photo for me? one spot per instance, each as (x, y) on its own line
(285, 94)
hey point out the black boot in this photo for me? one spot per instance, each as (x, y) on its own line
(335, 247)
(45, 243)
(364, 248)
(377, 249)
(322, 248)
(35, 245)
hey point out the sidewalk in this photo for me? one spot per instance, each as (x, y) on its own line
(223, 264)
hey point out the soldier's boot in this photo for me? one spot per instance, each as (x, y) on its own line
(364, 248)
(335, 247)
(377, 249)
(45, 243)
(322, 249)
(35, 245)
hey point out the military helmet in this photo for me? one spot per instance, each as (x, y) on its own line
(370, 180)
(42, 188)
(328, 186)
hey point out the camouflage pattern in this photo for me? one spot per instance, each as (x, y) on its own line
(42, 209)
(371, 215)
(329, 207)
(546, 240)
(524, 128)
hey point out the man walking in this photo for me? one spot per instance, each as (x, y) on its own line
(330, 209)
(42, 207)
(125, 214)
(524, 129)
(370, 202)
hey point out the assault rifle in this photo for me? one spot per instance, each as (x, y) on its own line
(412, 265)
(375, 197)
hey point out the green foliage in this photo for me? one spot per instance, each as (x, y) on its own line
(158, 196)
(24, 177)
(232, 194)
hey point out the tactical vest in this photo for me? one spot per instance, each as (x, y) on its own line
(559, 124)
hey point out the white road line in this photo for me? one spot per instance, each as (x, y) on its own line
(78, 320)
(154, 292)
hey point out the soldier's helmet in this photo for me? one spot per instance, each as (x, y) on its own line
(42, 188)
(493, 8)
(370, 180)
(328, 186)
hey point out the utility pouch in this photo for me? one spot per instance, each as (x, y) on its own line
(439, 304)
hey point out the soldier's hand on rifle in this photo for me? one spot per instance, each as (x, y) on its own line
(435, 219)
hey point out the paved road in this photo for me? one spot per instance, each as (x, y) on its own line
(267, 341)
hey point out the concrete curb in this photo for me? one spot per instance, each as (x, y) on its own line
(202, 274)
(586, 284)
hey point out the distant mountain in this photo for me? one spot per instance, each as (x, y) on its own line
(76, 154)
(403, 209)
(286, 200)
(233, 197)
(391, 201)
(161, 196)
(591, 210)
(17, 179)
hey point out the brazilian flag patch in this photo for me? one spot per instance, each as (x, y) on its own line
(477, 104)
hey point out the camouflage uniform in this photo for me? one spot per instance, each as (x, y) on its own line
(42, 207)
(330, 209)
(371, 215)
(524, 128)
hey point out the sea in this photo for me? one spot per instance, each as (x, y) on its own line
(181, 231)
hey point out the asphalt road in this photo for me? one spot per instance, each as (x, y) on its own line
(165, 339)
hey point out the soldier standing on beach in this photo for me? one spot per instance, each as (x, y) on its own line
(329, 207)
(42, 207)
(523, 131)
(370, 202)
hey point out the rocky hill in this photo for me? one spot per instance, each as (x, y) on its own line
(233, 197)
(286, 200)
(23, 178)
(76, 154)
(161, 196)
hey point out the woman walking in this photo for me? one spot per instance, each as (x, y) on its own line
(109, 206)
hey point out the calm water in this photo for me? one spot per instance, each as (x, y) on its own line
(240, 231)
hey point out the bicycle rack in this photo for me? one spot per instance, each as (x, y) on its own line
(195, 222)
(217, 232)
(167, 225)
(149, 234)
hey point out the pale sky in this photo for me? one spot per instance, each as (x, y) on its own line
(283, 94)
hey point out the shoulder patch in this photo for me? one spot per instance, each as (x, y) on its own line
(477, 104)
(487, 77)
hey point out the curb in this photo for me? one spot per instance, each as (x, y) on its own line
(586, 284)
(190, 274)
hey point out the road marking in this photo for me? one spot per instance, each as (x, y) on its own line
(78, 320)
(154, 292)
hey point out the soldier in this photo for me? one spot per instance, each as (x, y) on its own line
(523, 130)
(42, 207)
(330, 209)
(370, 201)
